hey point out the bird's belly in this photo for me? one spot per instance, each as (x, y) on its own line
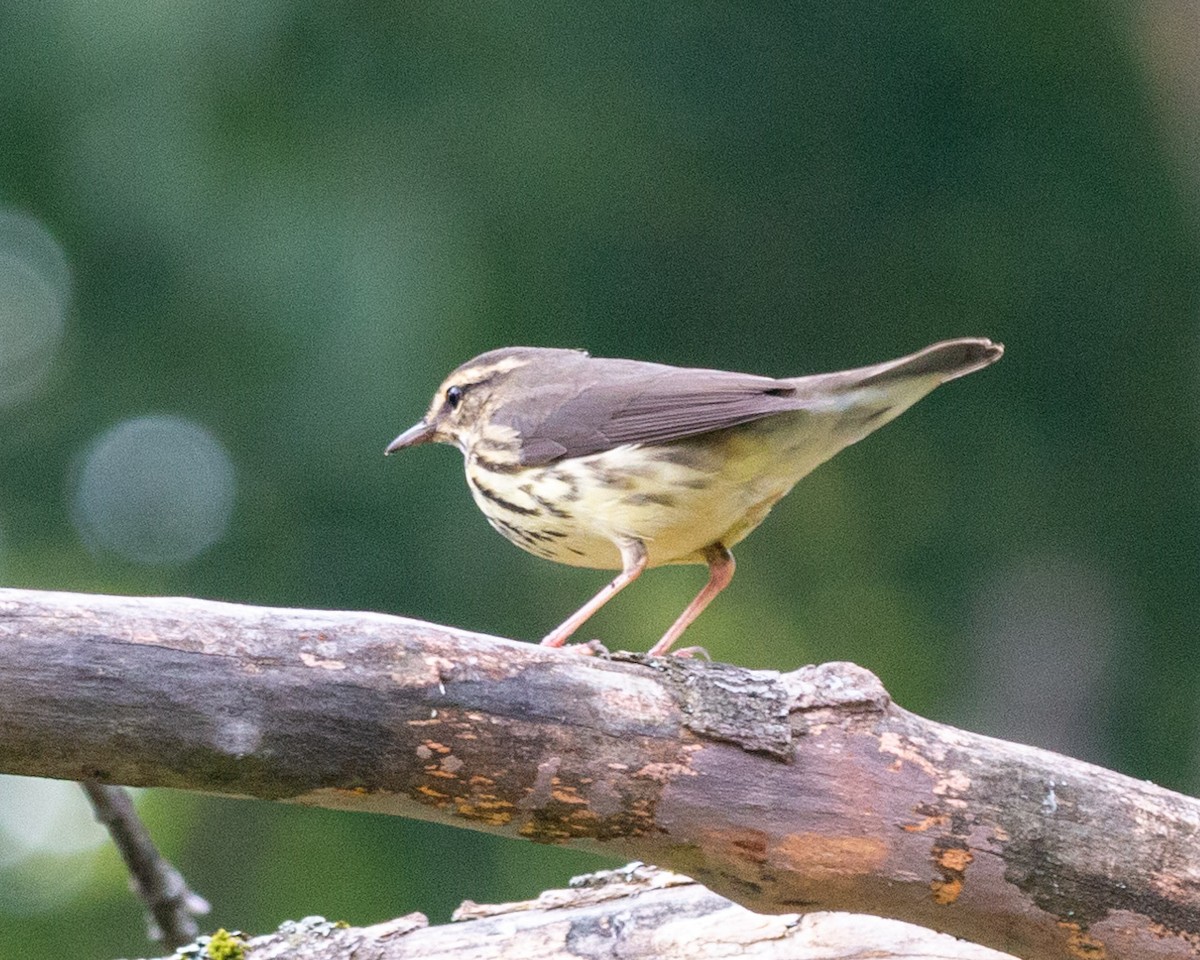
(676, 498)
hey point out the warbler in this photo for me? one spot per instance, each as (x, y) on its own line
(625, 465)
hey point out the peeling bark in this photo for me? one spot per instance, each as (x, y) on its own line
(785, 792)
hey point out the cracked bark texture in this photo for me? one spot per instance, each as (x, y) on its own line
(787, 793)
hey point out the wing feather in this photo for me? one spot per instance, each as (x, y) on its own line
(623, 403)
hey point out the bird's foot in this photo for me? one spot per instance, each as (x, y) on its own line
(694, 651)
(593, 648)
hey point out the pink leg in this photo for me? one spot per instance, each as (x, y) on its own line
(720, 572)
(633, 557)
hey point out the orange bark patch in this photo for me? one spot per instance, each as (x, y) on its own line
(746, 845)
(952, 859)
(1082, 944)
(496, 814)
(816, 852)
(946, 891)
(955, 859)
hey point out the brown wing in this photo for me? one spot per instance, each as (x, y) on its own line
(596, 404)
(603, 404)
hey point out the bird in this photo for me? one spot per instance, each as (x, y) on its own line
(625, 465)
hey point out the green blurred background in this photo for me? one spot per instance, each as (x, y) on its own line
(240, 244)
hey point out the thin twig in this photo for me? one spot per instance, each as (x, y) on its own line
(171, 906)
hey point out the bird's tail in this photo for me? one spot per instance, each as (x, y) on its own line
(947, 360)
(860, 401)
(935, 364)
(943, 361)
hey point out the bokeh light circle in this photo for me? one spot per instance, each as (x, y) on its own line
(157, 490)
(35, 290)
(64, 824)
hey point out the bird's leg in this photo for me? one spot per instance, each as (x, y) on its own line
(720, 572)
(633, 562)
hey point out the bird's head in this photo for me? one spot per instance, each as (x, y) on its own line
(462, 407)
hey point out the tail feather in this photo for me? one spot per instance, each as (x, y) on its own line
(940, 362)
(947, 360)
(863, 400)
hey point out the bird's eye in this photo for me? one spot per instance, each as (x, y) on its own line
(454, 396)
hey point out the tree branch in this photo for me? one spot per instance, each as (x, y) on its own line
(637, 913)
(795, 792)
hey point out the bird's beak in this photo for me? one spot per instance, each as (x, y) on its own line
(421, 432)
